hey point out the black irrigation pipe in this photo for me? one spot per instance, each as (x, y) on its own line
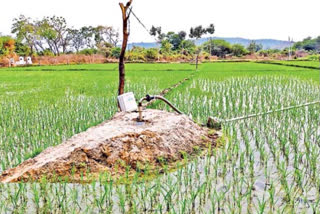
(168, 90)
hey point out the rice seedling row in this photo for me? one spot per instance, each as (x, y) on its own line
(296, 63)
(263, 165)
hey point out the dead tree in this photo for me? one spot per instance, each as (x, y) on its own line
(125, 17)
(197, 33)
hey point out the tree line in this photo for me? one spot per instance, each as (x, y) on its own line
(52, 36)
(308, 44)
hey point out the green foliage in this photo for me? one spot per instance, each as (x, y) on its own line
(55, 34)
(47, 30)
(238, 50)
(7, 45)
(187, 47)
(165, 47)
(105, 48)
(269, 52)
(308, 44)
(218, 47)
(157, 32)
(115, 52)
(286, 52)
(88, 51)
(254, 47)
(33, 154)
(22, 49)
(152, 53)
(105, 34)
(77, 39)
(46, 52)
(136, 54)
(197, 32)
(314, 57)
(211, 29)
(175, 39)
(25, 31)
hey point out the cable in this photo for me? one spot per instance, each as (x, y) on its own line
(143, 25)
(140, 21)
(274, 111)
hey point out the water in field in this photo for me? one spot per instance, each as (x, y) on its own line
(268, 164)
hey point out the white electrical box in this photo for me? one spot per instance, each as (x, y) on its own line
(127, 102)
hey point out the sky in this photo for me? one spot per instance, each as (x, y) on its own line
(252, 19)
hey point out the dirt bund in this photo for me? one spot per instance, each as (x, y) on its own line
(116, 144)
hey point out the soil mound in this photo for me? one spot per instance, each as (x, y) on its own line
(120, 142)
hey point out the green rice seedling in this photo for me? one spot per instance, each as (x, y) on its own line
(36, 196)
(272, 155)
(315, 205)
(75, 195)
(14, 198)
(122, 199)
(271, 194)
(261, 205)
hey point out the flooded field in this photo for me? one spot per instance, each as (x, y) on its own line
(266, 164)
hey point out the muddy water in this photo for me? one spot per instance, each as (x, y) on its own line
(269, 164)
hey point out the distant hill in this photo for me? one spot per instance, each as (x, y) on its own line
(143, 44)
(266, 43)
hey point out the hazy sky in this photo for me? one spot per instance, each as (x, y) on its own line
(254, 19)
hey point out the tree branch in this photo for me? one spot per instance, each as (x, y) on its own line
(125, 17)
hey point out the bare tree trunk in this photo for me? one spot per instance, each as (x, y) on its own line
(57, 49)
(51, 48)
(125, 18)
(197, 58)
(210, 46)
(197, 61)
(38, 43)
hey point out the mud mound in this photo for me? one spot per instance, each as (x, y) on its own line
(114, 145)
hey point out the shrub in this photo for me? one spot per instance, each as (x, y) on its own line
(151, 54)
(46, 52)
(135, 56)
(115, 52)
(106, 52)
(239, 50)
(7, 45)
(313, 57)
(22, 50)
(187, 47)
(89, 51)
(218, 47)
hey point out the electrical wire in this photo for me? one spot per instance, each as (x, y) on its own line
(141, 23)
(252, 115)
